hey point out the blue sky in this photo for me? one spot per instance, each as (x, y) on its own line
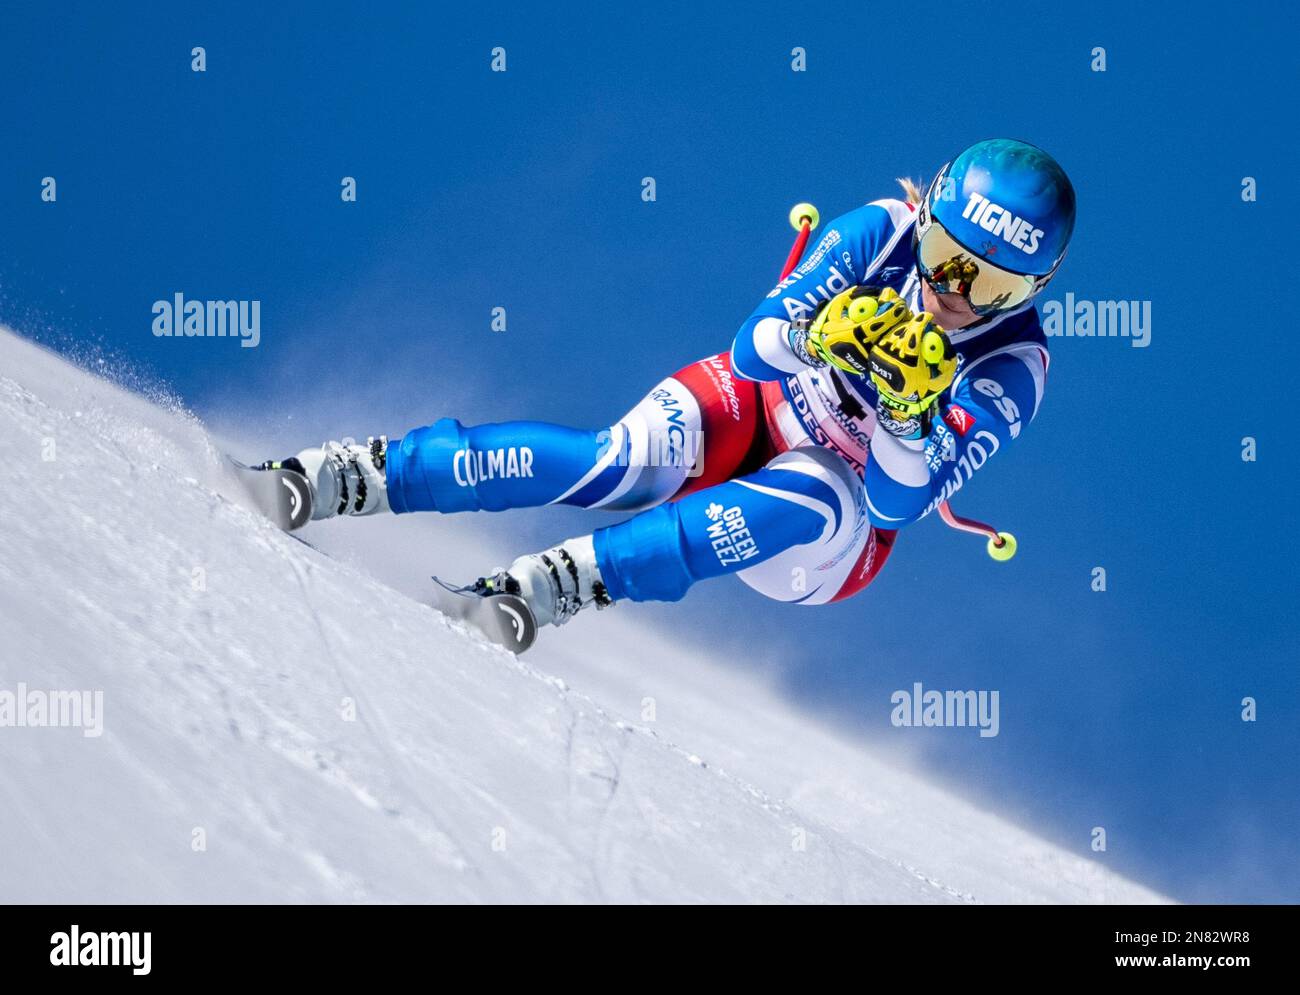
(522, 190)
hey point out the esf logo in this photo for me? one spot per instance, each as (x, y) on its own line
(996, 219)
(470, 466)
(1005, 405)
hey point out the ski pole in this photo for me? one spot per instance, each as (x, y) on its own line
(1001, 545)
(803, 219)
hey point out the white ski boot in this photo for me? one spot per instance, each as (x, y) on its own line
(555, 584)
(344, 479)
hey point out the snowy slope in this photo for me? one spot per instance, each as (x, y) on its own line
(227, 654)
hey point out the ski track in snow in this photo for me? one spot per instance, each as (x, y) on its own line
(468, 775)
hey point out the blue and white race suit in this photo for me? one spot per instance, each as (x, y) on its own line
(754, 463)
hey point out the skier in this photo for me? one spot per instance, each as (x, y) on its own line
(869, 385)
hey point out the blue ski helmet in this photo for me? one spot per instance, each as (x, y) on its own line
(995, 224)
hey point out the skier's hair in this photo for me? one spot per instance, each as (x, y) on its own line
(912, 188)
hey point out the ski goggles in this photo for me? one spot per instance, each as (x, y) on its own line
(950, 268)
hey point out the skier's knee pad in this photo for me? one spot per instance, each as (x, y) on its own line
(803, 512)
(815, 572)
(693, 430)
(646, 455)
(731, 425)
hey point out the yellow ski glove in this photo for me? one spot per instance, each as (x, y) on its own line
(849, 324)
(911, 365)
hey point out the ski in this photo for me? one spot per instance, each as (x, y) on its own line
(281, 495)
(503, 619)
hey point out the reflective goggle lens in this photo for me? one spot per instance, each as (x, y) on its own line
(951, 269)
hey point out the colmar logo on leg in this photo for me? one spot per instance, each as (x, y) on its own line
(469, 466)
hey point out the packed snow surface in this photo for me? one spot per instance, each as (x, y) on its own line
(280, 725)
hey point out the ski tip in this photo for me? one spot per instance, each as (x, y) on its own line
(512, 620)
(283, 496)
(503, 619)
